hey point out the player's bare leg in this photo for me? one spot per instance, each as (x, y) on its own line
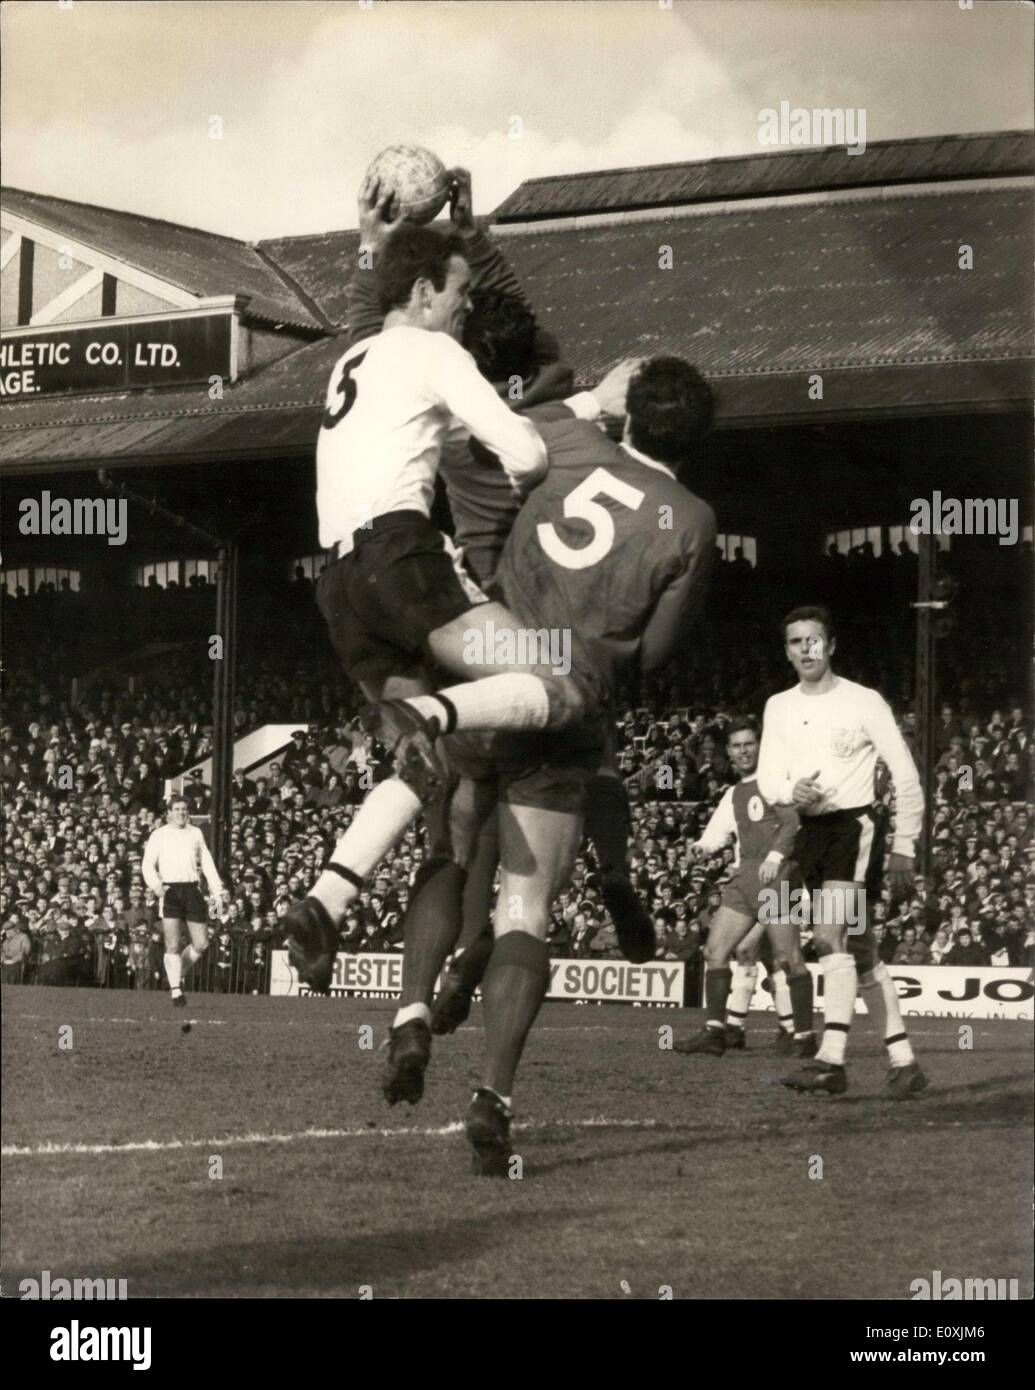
(841, 900)
(743, 979)
(430, 931)
(311, 926)
(608, 826)
(537, 854)
(792, 989)
(727, 930)
(195, 948)
(495, 694)
(172, 931)
(464, 972)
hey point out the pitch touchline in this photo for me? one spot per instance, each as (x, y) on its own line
(214, 1145)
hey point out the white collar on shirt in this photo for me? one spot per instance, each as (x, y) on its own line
(642, 458)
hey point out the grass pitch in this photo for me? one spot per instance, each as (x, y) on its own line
(642, 1170)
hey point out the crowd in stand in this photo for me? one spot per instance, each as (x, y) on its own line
(83, 786)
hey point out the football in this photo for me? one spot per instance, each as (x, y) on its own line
(417, 177)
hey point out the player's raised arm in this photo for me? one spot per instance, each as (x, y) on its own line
(774, 778)
(490, 269)
(879, 723)
(375, 213)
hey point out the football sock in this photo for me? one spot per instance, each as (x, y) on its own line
(409, 1011)
(504, 1099)
(799, 992)
(388, 810)
(173, 970)
(608, 821)
(478, 889)
(781, 1000)
(430, 928)
(716, 990)
(881, 999)
(513, 991)
(742, 987)
(840, 986)
(473, 962)
(513, 701)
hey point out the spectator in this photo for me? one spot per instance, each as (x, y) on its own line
(16, 952)
(909, 950)
(966, 951)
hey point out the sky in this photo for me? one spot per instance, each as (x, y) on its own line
(112, 103)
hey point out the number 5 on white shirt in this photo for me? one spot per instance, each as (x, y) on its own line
(579, 505)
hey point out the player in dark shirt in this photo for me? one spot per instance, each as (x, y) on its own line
(612, 553)
(611, 549)
(764, 836)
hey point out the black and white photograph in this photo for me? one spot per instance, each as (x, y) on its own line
(517, 608)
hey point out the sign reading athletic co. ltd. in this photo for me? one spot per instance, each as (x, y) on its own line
(122, 356)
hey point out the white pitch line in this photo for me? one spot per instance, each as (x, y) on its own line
(151, 1018)
(229, 1141)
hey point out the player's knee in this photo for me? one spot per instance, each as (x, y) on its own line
(745, 956)
(714, 957)
(825, 946)
(532, 925)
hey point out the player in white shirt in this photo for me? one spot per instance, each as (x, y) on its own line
(820, 745)
(176, 860)
(396, 599)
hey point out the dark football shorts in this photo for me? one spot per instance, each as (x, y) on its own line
(545, 770)
(740, 894)
(842, 845)
(402, 580)
(184, 901)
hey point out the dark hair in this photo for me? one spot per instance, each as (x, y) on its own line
(500, 335)
(413, 253)
(175, 801)
(670, 408)
(809, 613)
(739, 725)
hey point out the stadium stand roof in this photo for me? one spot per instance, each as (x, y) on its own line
(867, 291)
(202, 263)
(885, 163)
(275, 411)
(767, 287)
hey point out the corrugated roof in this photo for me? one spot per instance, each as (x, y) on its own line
(992, 155)
(202, 263)
(867, 291)
(278, 408)
(321, 265)
(799, 288)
